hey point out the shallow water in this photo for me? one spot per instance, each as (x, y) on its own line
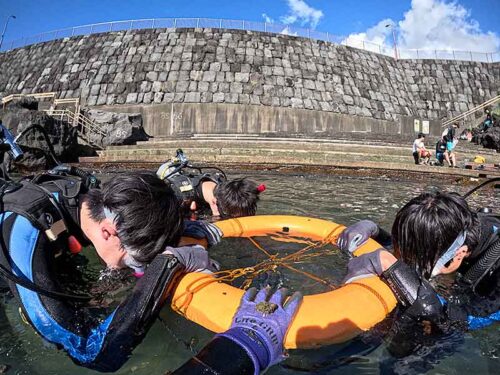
(344, 200)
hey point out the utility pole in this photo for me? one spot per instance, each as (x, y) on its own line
(393, 40)
(5, 29)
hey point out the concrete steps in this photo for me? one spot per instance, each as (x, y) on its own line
(228, 149)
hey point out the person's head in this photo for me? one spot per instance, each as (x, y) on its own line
(421, 136)
(237, 198)
(434, 232)
(131, 219)
(456, 125)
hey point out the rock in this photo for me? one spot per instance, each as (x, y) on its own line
(120, 128)
(491, 138)
(19, 116)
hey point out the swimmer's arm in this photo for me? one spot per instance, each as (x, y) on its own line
(478, 312)
(109, 346)
(220, 356)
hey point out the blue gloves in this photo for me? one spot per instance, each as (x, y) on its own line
(202, 229)
(194, 258)
(260, 324)
(356, 235)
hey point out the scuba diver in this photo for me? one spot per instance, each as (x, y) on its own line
(54, 214)
(210, 193)
(433, 234)
(133, 221)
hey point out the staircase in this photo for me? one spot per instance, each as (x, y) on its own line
(470, 112)
(365, 152)
(69, 111)
(87, 129)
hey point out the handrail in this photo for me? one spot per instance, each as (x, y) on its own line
(84, 125)
(270, 27)
(471, 111)
(43, 95)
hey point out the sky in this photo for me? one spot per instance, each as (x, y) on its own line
(425, 24)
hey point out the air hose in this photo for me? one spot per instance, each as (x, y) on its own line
(481, 268)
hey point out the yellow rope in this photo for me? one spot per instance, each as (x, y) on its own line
(267, 265)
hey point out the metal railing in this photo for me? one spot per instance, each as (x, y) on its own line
(86, 127)
(275, 28)
(471, 111)
(44, 95)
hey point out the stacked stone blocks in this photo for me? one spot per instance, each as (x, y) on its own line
(243, 67)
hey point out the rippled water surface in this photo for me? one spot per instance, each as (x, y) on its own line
(173, 340)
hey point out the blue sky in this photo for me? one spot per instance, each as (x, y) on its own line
(465, 23)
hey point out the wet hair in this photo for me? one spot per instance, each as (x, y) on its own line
(427, 226)
(237, 198)
(147, 212)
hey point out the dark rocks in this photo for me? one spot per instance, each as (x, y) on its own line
(490, 138)
(20, 116)
(120, 128)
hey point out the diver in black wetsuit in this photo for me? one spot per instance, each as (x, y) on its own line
(133, 221)
(434, 233)
(210, 193)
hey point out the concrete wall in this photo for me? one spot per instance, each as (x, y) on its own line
(242, 81)
(162, 120)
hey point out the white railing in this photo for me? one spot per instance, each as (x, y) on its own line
(471, 111)
(86, 128)
(275, 28)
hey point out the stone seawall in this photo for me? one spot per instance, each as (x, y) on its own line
(293, 78)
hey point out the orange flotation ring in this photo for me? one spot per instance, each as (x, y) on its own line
(327, 318)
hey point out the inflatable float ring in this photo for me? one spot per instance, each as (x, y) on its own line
(327, 318)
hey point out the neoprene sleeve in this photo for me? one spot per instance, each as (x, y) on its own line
(220, 356)
(133, 318)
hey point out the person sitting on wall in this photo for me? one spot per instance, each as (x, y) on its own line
(419, 150)
(487, 123)
(210, 193)
(133, 221)
(434, 234)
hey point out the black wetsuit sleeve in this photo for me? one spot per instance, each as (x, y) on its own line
(220, 356)
(133, 318)
(477, 311)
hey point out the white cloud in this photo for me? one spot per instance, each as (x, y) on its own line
(432, 24)
(300, 11)
(267, 18)
(376, 35)
(287, 31)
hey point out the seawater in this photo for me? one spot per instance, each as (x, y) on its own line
(172, 340)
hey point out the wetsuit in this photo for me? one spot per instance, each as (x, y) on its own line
(37, 221)
(475, 302)
(220, 356)
(440, 150)
(188, 187)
